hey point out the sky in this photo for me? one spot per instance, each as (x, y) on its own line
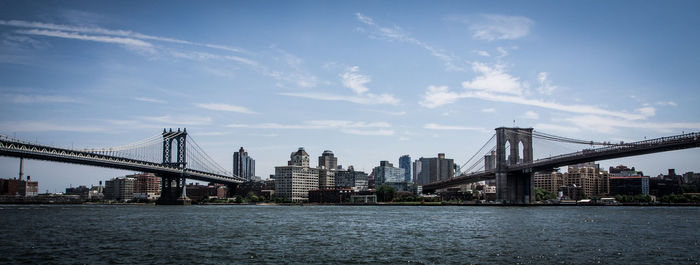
(369, 80)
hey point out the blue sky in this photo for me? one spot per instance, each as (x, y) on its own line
(370, 80)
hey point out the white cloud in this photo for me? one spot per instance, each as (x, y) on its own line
(556, 128)
(18, 98)
(394, 113)
(151, 100)
(610, 125)
(493, 79)
(581, 109)
(433, 126)
(110, 32)
(451, 62)
(380, 132)
(40, 126)
(347, 127)
(366, 99)
(354, 80)
(364, 19)
(488, 110)
(179, 120)
(105, 39)
(666, 103)
(546, 86)
(482, 53)
(502, 52)
(224, 107)
(530, 115)
(436, 96)
(492, 27)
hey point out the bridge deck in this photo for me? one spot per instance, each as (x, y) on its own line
(49, 153)
(663, 144)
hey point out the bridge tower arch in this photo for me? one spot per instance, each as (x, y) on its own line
(174, 194)
(518, 187)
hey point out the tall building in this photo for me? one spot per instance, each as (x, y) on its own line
(405, 163)
(386, 172)
(356, 180)
(435, 169)
(243, 165)
(119, 189)
(416, 169)
(327, 160)
(294, 181)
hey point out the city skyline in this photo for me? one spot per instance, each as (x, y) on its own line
(365, 80)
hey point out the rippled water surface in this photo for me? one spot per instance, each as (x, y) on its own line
(137, 234)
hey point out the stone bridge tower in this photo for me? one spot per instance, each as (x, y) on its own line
(514, 146)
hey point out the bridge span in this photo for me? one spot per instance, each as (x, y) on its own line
(173, 172)
(514, 174)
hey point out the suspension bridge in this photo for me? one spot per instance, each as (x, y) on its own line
(171, 155)
(507, 158)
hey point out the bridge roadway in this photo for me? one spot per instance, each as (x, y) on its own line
(663, 144)
(49, 153)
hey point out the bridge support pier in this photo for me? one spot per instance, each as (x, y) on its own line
(231, 190)
(515, 188)
(172, 191)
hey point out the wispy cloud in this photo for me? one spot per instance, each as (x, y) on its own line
(151, 100)
(357, 82)
(451, 62)
(367, 99)
(347, 127)
(394, 113)
(125, 34)
(666, 103)
(433, 126)
(70, 35)
(436, 96)
(29, 98)
(493, 79)
(530, 115)
(488, 110)
(42, 126)
(603, 124)
(224, 107)
(354, 80)
(492, 27)
(546, 86)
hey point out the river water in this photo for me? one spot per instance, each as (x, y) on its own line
(138, 234)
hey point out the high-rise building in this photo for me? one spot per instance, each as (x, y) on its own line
(119, 189)
(243, 165)
(356, 180)
(327, 160)
(294, 181)
(435, 169)
(386, 172)
(405, 163)
(416, 169)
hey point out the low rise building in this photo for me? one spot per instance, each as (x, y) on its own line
(631, 185)
(119, 189)
(350, 178)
